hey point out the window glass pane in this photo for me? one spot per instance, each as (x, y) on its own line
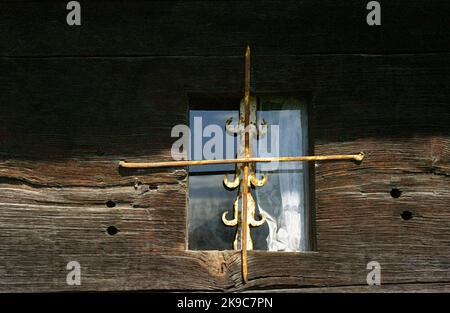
(282, 199)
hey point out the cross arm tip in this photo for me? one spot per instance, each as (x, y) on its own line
(359, 157)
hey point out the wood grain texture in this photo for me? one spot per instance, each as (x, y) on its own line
(65, 123)
(76, 101)
(136, 28)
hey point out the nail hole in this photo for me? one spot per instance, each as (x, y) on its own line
(396, 193)
(406, 215)
(110, 204)
(112, 230)
(137, 184)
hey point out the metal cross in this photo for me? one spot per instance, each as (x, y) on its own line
(248, 178)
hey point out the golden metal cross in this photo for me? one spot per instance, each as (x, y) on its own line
(246, 161)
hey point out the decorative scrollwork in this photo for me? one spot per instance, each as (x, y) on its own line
(254, 133)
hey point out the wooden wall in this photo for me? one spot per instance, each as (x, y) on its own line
(76, 100)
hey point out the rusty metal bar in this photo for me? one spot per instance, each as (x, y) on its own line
(355, 157)
(246, 156)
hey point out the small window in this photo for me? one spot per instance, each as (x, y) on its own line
(282, 200)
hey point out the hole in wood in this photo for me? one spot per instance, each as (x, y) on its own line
(143, 188)
(406, 215)
(112, 230)
(396, 193)
(110, 204)
(137, 184)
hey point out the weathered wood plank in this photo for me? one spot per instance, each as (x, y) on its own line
(111, 269)
(360, 91)
(82, 173)
(221, 28)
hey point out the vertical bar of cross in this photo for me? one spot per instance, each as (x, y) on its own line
(246, 165)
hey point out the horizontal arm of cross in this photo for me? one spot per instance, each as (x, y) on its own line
(356, 157)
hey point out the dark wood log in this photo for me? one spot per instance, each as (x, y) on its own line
(202, 28)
